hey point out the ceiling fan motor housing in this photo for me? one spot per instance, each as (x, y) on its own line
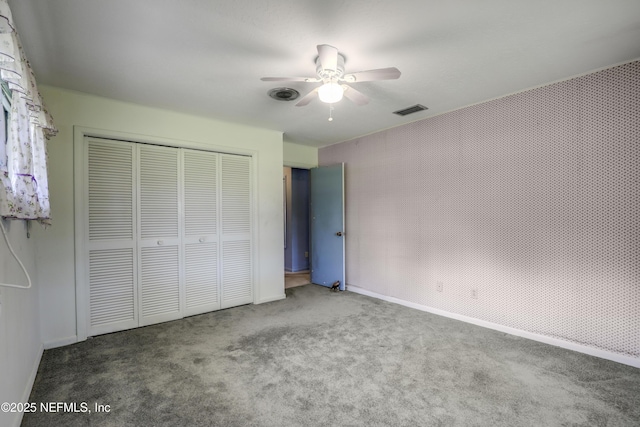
(328, 75)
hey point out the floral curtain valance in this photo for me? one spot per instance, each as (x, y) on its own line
(24, 191)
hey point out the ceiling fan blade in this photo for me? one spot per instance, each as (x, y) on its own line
(307, 98)
(372, 75)
(290, 79)
(328, 57)
(355, 96)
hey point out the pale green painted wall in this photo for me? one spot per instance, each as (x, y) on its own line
(300, 156)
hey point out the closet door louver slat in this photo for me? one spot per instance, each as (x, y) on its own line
(200, 193)
(159, 278)
(111, 282)
(236, 195)
(110, 243)
(158, 192)
(237, 283)
(110, 191)
(237, 280)
(202, 283)
(201, 266)
(159, 243)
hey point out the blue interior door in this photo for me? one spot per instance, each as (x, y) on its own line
(327, 225)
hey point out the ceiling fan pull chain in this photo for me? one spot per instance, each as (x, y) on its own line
(330, 110)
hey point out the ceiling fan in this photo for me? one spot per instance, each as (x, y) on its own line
(330, 71)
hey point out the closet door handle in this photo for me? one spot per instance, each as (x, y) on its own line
(160, 242)
(201, 240)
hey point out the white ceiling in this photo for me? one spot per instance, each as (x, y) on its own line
(206, 57)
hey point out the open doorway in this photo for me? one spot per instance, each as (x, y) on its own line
(295, 187)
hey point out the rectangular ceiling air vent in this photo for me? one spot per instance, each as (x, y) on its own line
(410, 110)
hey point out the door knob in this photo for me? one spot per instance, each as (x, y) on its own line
(339, 233)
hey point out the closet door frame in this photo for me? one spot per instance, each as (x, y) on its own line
(81, 225)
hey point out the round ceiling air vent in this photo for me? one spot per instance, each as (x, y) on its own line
(284, 94)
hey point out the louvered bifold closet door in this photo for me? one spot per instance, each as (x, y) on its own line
(159, 234)
(237, 278)
(110, 255)
(201, 246)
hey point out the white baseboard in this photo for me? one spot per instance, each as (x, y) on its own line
(271, 299)
(61, 342)
(29, 386)
(592, 351)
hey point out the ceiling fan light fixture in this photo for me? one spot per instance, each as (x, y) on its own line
(330, 92)
(330, 71)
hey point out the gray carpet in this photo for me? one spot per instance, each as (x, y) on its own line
(320, 358)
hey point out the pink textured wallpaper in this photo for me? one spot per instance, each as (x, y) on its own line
(532, 200)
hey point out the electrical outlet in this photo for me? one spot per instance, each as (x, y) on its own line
(439, 286)
(474, 293)
(306, 254)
